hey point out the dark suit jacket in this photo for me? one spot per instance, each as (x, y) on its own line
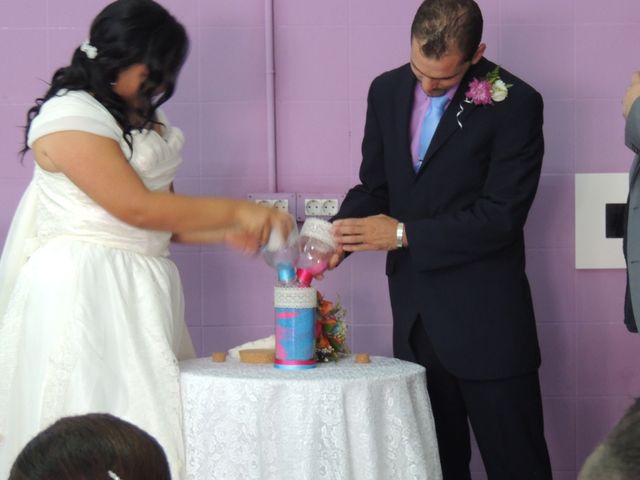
(464, 213)
(632, 224)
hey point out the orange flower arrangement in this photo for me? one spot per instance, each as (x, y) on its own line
(331, 330)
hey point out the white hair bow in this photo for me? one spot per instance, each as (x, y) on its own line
(89, 50)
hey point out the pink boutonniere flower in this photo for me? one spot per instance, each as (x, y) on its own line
(485, 91)
(479, 92)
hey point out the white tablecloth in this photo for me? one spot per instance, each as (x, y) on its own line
(338, 421)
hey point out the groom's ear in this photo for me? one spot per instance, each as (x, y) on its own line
(479, 54)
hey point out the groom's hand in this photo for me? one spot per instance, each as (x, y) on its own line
(334, 261)
(370, 233)
(633, 92)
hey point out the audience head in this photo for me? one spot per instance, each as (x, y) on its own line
(618, 456)
(91, 447)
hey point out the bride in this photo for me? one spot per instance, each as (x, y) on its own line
(91, 308)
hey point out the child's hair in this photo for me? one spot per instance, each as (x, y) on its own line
(94, 446)
(125, 32)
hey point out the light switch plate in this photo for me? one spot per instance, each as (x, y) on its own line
(593, 192)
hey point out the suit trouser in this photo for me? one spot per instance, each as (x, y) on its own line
(505, 415)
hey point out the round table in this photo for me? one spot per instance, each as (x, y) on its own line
(341, 420)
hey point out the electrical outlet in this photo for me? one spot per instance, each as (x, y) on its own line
(312, 207)
(323, 205)
(285, 202)
(330, 207)
(281, 204)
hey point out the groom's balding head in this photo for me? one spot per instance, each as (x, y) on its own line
(443, 26)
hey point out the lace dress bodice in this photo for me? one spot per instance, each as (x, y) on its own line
(65, 210)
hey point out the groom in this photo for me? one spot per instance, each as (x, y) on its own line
(447, 180)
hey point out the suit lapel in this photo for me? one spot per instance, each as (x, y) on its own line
(457, 111)
(635, 167)
(404, 108)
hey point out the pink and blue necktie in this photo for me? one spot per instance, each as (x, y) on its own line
(430, 122)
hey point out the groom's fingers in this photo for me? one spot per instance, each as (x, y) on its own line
(353, 236)
(351, 239)
(336, 258)
(361, 247)
(348, 226)
(348, 231)
(369, 233)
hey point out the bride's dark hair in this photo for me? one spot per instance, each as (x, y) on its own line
(125, 33)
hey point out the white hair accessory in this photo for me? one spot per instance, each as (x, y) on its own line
(89, 50)
(113, 476)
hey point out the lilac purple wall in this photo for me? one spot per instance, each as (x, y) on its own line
(327, 52)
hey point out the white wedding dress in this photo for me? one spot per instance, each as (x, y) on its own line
(91, 309)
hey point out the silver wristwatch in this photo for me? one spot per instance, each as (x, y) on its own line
(399, 235)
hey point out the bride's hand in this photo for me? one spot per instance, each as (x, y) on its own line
(241, 241)
(257, 221)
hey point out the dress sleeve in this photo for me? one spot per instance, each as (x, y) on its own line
(74, 110)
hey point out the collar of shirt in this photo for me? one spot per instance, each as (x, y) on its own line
(421, 102)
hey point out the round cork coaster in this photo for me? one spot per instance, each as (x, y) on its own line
(257, 355)
(219, 357)
(362, 358)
